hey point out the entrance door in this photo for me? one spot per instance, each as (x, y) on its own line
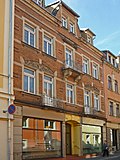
(68, 139)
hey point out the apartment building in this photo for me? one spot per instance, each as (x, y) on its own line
(6, 78)
(58, 83)
(112, 98)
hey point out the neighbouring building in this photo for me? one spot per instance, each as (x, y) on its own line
(58, 83)
(6, 78)
(112, 98)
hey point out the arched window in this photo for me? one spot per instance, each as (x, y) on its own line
(109, 83)
(116, 86)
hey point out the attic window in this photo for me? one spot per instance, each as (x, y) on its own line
(38, 2)
(89, 39)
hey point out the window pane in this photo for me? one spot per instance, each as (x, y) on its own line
(45, 46)
(25, 83)
(49, 49)
(32, 85)
(26, 36)
(31, 39)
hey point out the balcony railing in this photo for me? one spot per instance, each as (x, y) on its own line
(52, 102)
(89, 110)
(73, 65)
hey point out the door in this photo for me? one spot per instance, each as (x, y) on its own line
(68, 139)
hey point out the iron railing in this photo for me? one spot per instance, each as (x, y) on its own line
(52, 102)
(73, 65)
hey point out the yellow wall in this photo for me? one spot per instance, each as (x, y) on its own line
(2, 13)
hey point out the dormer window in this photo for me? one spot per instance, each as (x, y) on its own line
(64, 22)
(109, 59)
(72, 28)
(38, 2)
(89, 39)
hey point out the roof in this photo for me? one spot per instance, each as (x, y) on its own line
(107, 51)
(65, 5)
(87, 30)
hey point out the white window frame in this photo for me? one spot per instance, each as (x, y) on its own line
(49, 121)
(95, 71)
(27, 123)
(96, 102)
(89, 39)
(25, 141)
(48, 82)
(38, 2)
(87, 98)
(31, 31)
(29, 77)
(86, 65)
(69, 91)
(72, 28)
(69, 57)
(64, 22)
(49, 42)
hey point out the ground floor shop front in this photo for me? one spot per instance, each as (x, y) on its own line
(42, 133)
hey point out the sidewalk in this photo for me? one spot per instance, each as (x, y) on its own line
(115, 155)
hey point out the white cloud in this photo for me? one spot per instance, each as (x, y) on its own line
(108, 39)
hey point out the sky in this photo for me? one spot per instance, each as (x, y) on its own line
(102, 17)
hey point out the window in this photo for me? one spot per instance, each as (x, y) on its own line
(70, 94)
(25, 122)
(48, 86)
(72, 28)
(88, 138)
(38, 2)
(69, 59)
(42, 134)
(29, 80)
(87, 98)
(96, 102)
(89, 39)
(25, 143)
(48, 45)
(49, 124)
(117, 110)
(109, 83)
(111, 109)
(109, 59)
(86, 66)
(95, 71)
(29, 35)
(64, 22)
(116, 86)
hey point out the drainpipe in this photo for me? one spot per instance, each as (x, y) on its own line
(10, 57)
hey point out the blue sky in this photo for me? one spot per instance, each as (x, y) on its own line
(103, 18)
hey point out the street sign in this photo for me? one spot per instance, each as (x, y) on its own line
(11, 109)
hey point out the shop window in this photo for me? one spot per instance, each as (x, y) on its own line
(49, 124)
(29, 80)
(43, 136)
(25, 122)
(29, 35)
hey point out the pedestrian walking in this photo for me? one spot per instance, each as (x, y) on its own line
(105, 149)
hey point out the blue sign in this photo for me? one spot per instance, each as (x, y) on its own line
(11, 109)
